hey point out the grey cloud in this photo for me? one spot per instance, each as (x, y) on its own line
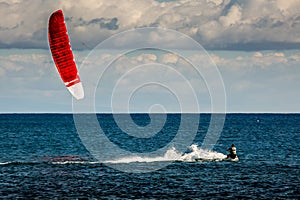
(224, 25)
(69, 19)
(227, 7)
(254, 46)
(110, 24)
(268, 22)
(104, 23)
(40, 34)
(5, 28)
(4, 4)
(277, 24)
(296, 22)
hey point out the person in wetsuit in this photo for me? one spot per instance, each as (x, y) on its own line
(232, 152)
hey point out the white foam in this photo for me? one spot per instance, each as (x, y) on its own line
(203, 154)
(5, 163)
(173, 155)
(170, 155)
(73, 162)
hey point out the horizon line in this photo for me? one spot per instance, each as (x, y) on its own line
(150, 113)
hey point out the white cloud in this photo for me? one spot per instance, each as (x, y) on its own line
(170, 58)
(233, 16)
(263, 60)
(258, 72)
(216, 24)
(288, 7)
(216, 2)
(147, 58)
(260, 75)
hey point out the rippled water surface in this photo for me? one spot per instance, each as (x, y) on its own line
(42, 156)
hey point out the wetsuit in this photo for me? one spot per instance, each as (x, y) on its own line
(232, 153)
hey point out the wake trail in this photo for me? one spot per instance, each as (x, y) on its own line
(173, 155)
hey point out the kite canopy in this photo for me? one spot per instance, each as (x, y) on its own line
(62, 54)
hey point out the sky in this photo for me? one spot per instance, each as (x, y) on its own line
(255, 45)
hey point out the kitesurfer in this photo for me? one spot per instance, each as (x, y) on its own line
(232, 152)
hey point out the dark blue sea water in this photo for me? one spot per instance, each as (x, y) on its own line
(42, 156)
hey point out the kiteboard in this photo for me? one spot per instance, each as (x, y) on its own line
(236, 159)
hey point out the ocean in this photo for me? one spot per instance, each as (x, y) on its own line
(42, 156)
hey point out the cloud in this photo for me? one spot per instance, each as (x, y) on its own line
(216, 24)
(105, 23)
(253, 80)
(170, 58)
(261, 59)
(233, 16)
(261, 81)
(258, 72)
